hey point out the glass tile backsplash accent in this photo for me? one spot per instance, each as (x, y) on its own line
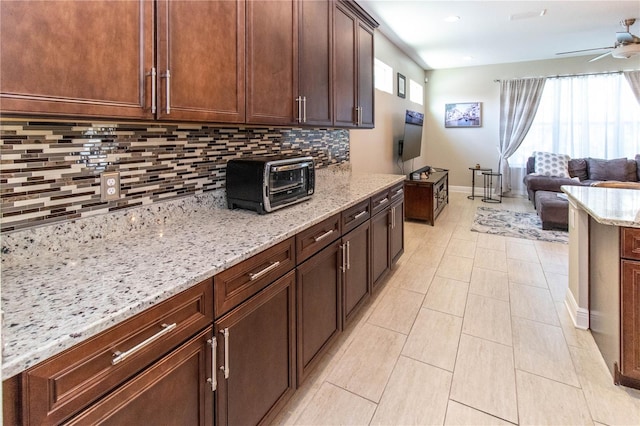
(50, 171)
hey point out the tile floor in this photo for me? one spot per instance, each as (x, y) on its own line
(469, 329)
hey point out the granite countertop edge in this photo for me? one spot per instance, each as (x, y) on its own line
(608, 206)
(34, 289)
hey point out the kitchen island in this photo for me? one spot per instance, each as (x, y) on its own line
(604, 274)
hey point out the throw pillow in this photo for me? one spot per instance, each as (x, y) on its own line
(607, 169)
(578, 168)
(551, 164)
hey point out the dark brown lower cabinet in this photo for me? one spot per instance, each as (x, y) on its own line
(319, 313)
(173, 391)
(630, 323)
(256, 356)
(356, 268)
(380, 261)
(396, 232)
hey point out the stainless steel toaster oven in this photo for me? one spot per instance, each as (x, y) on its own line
(268, 183)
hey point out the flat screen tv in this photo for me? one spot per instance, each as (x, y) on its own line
(412, 140)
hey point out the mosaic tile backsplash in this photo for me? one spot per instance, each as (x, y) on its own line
(50, 171)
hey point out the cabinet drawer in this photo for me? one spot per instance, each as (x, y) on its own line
(396, 192)
(63, 385)
(630, 243)
(240, 282)
(354, 216)
(380, 201)
(317, 237)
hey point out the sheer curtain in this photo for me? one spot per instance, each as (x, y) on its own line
(584, 116)
(519, 100)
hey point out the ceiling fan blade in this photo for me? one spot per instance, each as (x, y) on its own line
(585, 50)
(601, 56)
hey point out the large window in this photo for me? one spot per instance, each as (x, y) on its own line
(586, 116)
(383, 76)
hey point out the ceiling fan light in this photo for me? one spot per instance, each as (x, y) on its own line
(626, 51)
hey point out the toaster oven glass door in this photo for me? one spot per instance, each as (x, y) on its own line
(288, 183)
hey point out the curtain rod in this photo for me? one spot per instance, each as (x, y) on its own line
(573, 75)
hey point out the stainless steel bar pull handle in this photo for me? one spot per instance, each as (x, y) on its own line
(348, 255)
(359, 215)
(214, 348)
(304, 109)
(118, 356)
(384, 200)
(323, 236)
(153, 76)
(225, 367)
(299, 102)
(167, 77)
(343, 267)
(269, 268)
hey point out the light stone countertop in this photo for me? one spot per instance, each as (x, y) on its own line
(62, 284)
(609, 206)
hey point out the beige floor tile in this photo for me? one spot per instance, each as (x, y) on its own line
(528, 273)
(496, 260)
(461, 415)
(489, 283)
(546, 402)
(428, 254)
(462, 248)
(487, 318)
(438, 236)
(558, 285)
(558, 248)
(609, 404)
(554, 262)
(533, 303)
(413, 276)
(520, 251)
(446, 295)
(397, 310)
(434, 339)
(484, 378)
(492, 242)
(407, 401)
(519, 240)
(367, 363)
(541, 349)
(455, 267)
(332, 405)
(574, 336)
(463, 232)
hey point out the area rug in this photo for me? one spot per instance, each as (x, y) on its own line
(515, 224)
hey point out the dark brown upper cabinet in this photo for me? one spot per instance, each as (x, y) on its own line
(353, 66)
(272, 62)
(200, 73)
(88, 59)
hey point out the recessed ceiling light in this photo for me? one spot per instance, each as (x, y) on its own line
(452, 18)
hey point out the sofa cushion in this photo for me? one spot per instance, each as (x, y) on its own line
(578, 168)
(638, 166)
(607, 169)
(632, 171)
(551, 164)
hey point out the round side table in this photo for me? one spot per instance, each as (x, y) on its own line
(488, 187)
(473, 180)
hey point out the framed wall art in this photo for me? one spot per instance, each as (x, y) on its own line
(402, 86)
(468, 114)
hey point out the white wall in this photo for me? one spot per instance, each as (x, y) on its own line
(376, 150)
(457, 149)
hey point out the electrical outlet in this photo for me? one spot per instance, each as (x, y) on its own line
(109, 186)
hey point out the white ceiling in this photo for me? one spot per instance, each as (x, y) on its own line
(494, 32)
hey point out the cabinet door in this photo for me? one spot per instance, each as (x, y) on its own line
(272, 61)
(256, 356)
(315, 62)
(318, 304)
(396, 232)
(344, 51)
(365, 77)
(80, 58)
(357, 271)
(630, 319)
(380, 246)
(172, 391)
(201, 56)
(419, 201)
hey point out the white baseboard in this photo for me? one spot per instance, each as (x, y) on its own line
(579, 316)
(464, 189)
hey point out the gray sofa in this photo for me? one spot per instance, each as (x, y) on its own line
(543, 190)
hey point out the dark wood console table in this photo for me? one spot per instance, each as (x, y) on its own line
(426, 197)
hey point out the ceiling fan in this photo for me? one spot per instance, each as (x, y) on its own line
(626, 45)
